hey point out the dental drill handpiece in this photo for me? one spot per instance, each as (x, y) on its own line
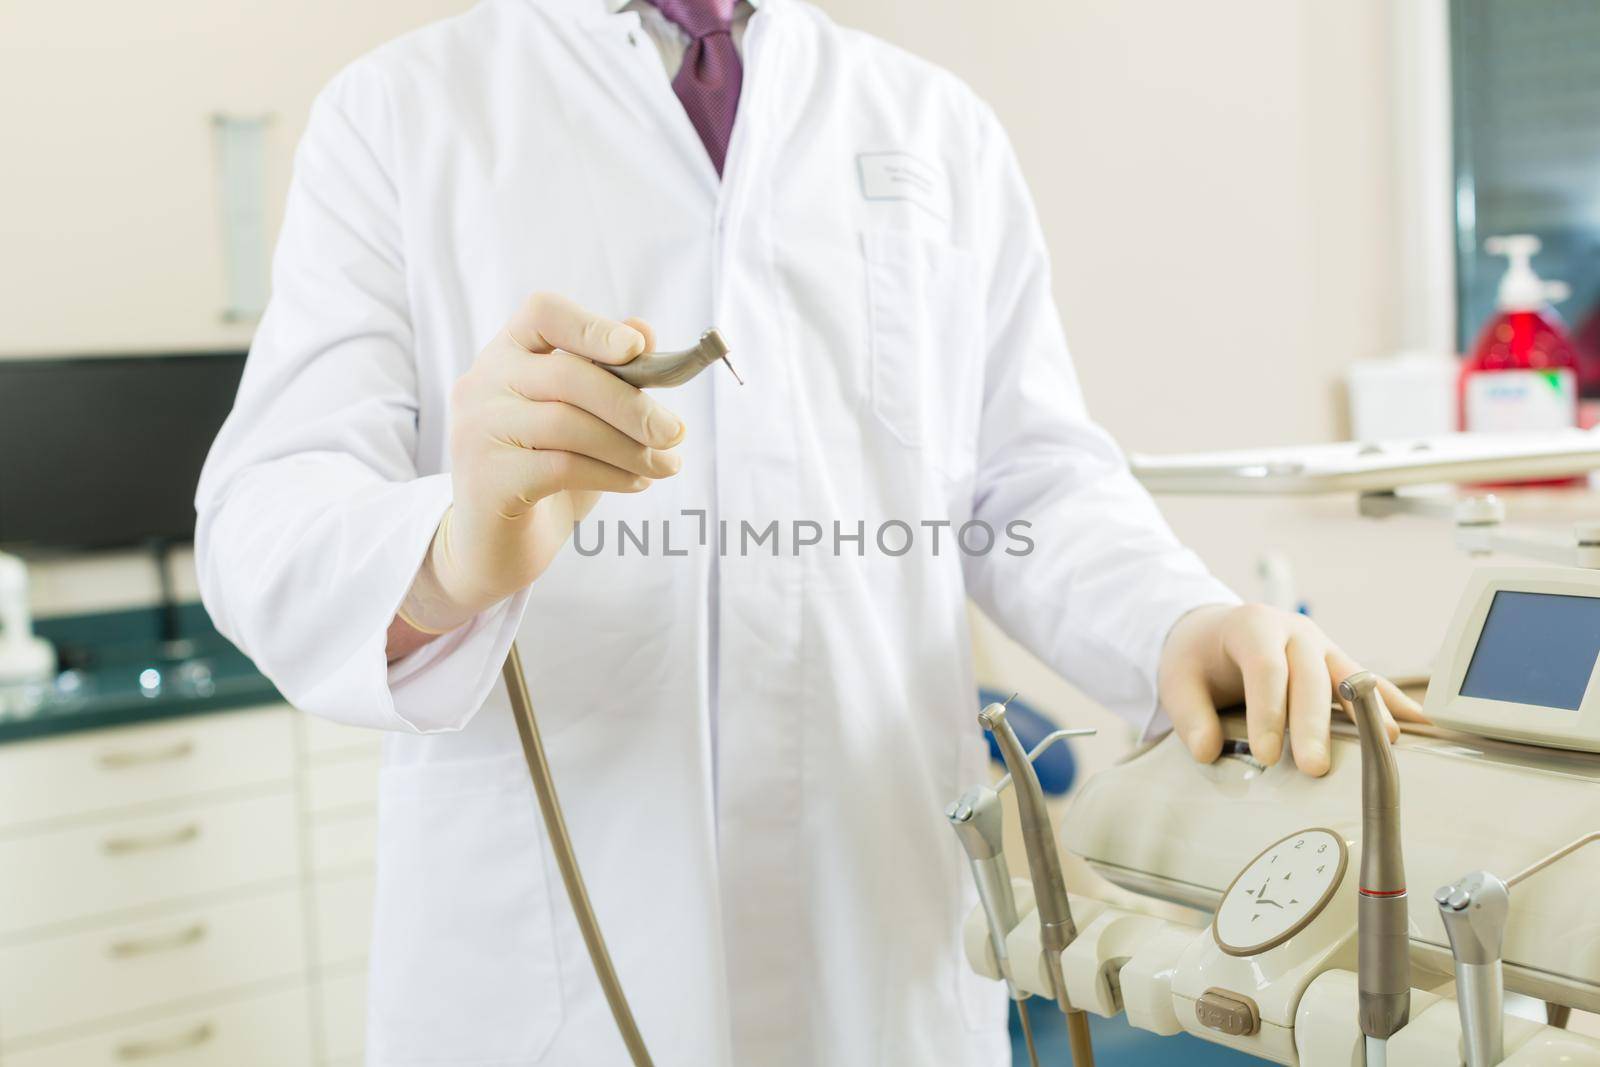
(1056, 929)
(646, 371)
(1474, 911)
(1383, 941)
(655, 370)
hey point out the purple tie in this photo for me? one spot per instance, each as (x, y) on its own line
(708, 81)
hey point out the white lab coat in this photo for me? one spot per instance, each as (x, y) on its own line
(754, 750)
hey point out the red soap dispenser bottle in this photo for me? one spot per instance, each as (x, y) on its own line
(1522, 373)
(1588, 341)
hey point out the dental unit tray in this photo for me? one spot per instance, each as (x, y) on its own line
(1380, 473)
(1263, 953)
(1372, 467)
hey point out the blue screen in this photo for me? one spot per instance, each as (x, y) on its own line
(1536, 648)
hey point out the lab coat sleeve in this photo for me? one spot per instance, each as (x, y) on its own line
(312, 514)
(1106, 578)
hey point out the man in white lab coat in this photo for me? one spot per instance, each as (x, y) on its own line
(754, 732)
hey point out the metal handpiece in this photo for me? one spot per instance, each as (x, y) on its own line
(1474, 912)
(1056, 929)
(975, 818)
(654, 370)
(1383, 944)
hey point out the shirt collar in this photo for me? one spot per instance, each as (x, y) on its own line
(618, 6)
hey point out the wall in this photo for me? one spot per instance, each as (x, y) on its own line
(1216, 183)
(109, 219)
(109, 236)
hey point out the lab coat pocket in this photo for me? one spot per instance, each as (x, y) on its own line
(463, 965)
(923, 315)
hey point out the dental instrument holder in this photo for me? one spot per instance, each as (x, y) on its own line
(1474, 911)
(976, 818)
(1383, 942)
(653, 369)
(1481, 527)
(1056, 928)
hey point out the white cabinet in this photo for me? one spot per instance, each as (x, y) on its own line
(342, 1003)
(342, 918)
(196, 892)
(339, 794)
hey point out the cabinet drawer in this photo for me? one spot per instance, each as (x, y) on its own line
(342, 908)
(328, 740)
(74, 979)
(344, 844)
(339, 787)
(271, 1031)
(110, 770)
(343, 1004)
(127, 863)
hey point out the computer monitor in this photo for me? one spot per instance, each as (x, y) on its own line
(105, 451)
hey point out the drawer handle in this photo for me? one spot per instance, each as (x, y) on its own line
(123, 846)
(125, 758)
(144, 946)
(166, 1046)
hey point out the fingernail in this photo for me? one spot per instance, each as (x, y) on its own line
(663, 428)
(624, 341)
(666, 462)
(1271, 748)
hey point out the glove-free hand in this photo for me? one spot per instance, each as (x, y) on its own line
(538, 431)
(1281, 666)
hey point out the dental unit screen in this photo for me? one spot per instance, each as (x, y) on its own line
(1535, 648)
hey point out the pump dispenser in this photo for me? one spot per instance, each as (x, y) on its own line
(24, 657)
(1522, 373)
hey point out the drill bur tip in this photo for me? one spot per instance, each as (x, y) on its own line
(713, 343)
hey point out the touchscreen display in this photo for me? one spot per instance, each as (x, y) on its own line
(1535, 648)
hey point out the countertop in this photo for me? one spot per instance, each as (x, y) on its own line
(128, 667)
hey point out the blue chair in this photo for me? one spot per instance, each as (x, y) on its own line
(1116, 1044)
(1057, 768)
